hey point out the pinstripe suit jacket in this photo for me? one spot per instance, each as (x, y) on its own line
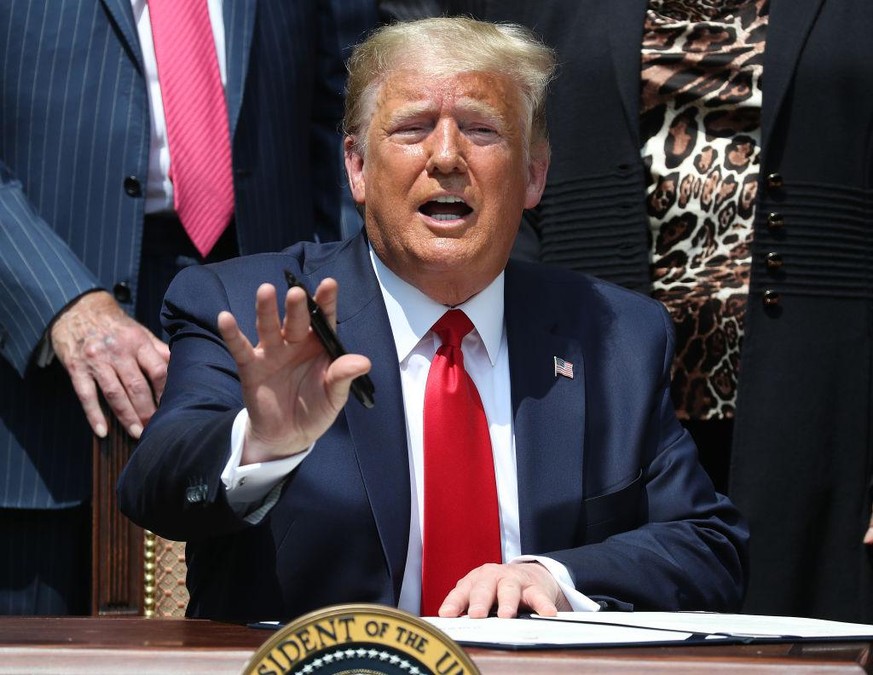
(74, 141)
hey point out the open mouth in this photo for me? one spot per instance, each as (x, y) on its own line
(445, 208)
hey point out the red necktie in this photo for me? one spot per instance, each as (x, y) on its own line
(461, 521)
(196, 113)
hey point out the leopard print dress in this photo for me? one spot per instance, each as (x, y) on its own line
(701, 93)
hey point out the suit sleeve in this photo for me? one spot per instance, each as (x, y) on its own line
(172, 483)
(685, 547)
(39, 274)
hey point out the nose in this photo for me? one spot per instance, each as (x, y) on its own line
(446, 151)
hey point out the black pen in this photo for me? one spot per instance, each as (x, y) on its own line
(362, 387)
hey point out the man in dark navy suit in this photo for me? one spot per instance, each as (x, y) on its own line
(293, 496)
(89, 236)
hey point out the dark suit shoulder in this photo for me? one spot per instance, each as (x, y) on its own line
(301, 258)
(561, 283)
(203, 291)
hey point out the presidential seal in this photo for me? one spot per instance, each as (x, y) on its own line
(360, 639)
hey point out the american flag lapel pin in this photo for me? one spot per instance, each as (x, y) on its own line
(563, 368)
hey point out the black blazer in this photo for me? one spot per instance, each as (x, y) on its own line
(802, 460)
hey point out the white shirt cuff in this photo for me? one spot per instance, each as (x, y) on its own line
(578, 601)
(254, 486)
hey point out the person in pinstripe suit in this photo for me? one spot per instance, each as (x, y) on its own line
(87, 245)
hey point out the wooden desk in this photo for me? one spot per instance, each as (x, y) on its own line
(103, 645)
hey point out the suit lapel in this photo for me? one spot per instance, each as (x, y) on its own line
(788, 26)
(121, 13)
(378, 434)
(549, 417)
(239, 26)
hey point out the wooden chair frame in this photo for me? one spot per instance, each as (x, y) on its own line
(133, 571)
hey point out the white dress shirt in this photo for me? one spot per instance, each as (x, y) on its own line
(486, 358)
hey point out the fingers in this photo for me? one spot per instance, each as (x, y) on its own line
(484, 594)
(342, 371)
(509, 596)
(475, 594)
(339, 376)
(153, 359)
(291, 387)
(295, 327)
(87, 381)
(538, 602)
(297, 319)
(267, 317)
(105, 351)
(345, 369)
(116, 368)
(508, 588)
(113, 364)
(326, 297)
(86, 391)
(237, 343)
(542, 593)
(274, 335)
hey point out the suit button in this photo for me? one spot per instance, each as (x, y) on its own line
(132, 186)
(774, 181)
(775, 221)
(774, 260)
(121, 291)
(196, 494)
(771, 298)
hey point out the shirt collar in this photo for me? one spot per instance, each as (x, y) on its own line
(412, 313)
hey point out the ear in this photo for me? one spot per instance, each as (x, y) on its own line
(354, 169)
(537, 169)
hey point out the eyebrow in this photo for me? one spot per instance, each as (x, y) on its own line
(478, 106)
(410, 111)
(464, 104)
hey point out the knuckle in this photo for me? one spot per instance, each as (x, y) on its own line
(157, 371)
(137, 386)
(113, 392)
(130, 333)
(93, 349)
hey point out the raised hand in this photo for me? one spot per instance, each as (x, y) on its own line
(291, 389)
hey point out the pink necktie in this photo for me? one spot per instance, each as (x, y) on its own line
(461, 521)
(196, 115)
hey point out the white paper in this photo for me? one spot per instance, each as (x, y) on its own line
(584, 628)
(528, 632)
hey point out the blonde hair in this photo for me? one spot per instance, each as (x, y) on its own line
(449, 45)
